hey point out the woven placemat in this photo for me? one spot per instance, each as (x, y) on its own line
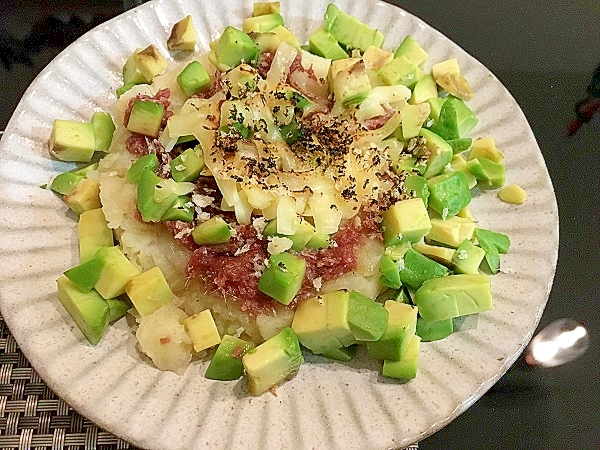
(32, 416)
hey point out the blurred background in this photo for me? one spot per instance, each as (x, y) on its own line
(545, 53)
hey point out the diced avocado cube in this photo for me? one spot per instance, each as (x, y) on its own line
(446, 126)
(117, 308)
(84, 196)
(305, 232)
(104, 128)
(343, 354)
(72, 141)
(226, 364)
(437, 253)
(396, 252)
(400, 71)
(273, 361)
(390, 276)
(214, 231)
(401, 326)
(375, 58)
(263, 23)
(487, 172)
(148, 291)
(466, 119)
(448, 193)
(283, 277)
(406, 220)
(65, 182)
(93, 233)
(183, 36)
(146, 118)
(412, 50)
(459, 164)
(416, 186)
(454, 296)
(150, 62)
(448, 66)
(319, 240)
(413, 117)
(434, 331)
(235, 47)
(486, 148)
(151, 209)
(202, 330)
(440, 153)
(266, 42)
(452, 231)
(467, 258)
(285, 35)
(324, 44)
(493, 244)
(424, 90)
(263, 8)
(188, 165)
(85, 275)
(182, 210)
(367, 319)
(436, 106)
(88, 310)
(456, 85)
(406, 367)
(310, 325)
(349, 31)
(397, 295)
(417, 268)
(460, 145)
(116, 271)
(146, 162)
(513, 194)
(131, 74)
(193, 78)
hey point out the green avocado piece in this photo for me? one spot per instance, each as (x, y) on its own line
(436, 104)
(151, 209)
(367, 319)
(149, 62)
(316, 327)
(89, 310)
(85, 275)
(322, 43)
(226, 364)
(131, 73)
(264, 8)
(434, 331)
(72, 141)
(319, 240)
(465, 118)
(193, 78)
(401, 326)
(446, 126)
(93, 233)
(235, 47)
(416, 186)
(120, 91)
(213, 231)
(146, 118)
(188, 165)
(104, 128)
(460, 145)
(349, 31)
(454, 296)
(440, 153)
(399, 71)
(343, 354)
(117, 308)
(146, 162)
(65, 182)
(488, 238)
(418, 268)
(467, 258)
(487, 172)
(425, 89)
(116, 271)
(182, 209)
(283, 277)
(390, 276)
(148, 291)
(183, 36)
(405, 221)
(273, 361)
(263, 23)
(406, 367)
(448, 193)
(304, 233)
(412, 51)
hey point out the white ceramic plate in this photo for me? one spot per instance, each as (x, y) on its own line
(329, 404)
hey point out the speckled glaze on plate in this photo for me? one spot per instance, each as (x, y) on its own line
(329, 404)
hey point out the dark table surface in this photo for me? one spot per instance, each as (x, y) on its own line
(545, 53)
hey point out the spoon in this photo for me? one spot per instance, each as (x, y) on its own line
(557, 343)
